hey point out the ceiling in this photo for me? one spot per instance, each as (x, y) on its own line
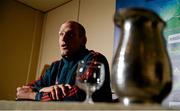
(43, 5)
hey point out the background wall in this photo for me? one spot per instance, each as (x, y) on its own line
(95, 15)
(49, 51)
(20, 34)
(29, 38)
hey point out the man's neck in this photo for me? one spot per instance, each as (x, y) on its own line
(76, 55)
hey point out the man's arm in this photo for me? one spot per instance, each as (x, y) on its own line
(63, 92)
(31, 90)
(25, 92)
(104, 93)
(55, 92)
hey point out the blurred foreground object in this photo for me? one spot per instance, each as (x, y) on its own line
(141, 69)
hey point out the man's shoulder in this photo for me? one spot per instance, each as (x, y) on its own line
(56, 63)
(96, 54)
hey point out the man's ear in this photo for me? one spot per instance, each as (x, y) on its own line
(84, 40)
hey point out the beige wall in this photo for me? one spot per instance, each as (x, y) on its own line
(20, 37)
(95, 15)
(49, 44)
(20, 34)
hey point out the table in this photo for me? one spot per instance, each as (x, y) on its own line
(35, 105)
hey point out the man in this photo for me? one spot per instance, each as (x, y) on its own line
(58, 82)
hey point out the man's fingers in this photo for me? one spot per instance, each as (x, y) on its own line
(41, 90)
(69, 86)
(21, 89)
(18, 89)
(53, 93)
(56, 88)
(17, 93)
(46, 89)
(63, 89)
(57, 91)
(26, 86)
(52, 89)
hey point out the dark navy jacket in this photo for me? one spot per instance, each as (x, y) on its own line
(64, 72)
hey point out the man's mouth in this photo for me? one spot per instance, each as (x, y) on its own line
(64, 46)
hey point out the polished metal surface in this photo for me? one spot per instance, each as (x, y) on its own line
(141, 69)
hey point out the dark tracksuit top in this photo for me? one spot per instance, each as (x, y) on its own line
(64, 72)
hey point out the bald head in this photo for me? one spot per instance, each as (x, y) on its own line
(72, 37)
(81, 29)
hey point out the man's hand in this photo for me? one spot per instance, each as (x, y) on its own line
(25, 92)
(57, 91)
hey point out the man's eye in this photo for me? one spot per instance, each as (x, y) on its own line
(61, 34)
(70, 34)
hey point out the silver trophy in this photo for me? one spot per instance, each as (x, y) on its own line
(141, 69)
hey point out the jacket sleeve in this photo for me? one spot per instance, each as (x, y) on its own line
(48, 79)
(104, 93)
(75, 94)
(43, 81)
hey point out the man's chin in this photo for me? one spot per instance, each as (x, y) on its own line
(65, 55)
(68, 55)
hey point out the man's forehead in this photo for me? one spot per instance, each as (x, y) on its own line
(68, 26)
